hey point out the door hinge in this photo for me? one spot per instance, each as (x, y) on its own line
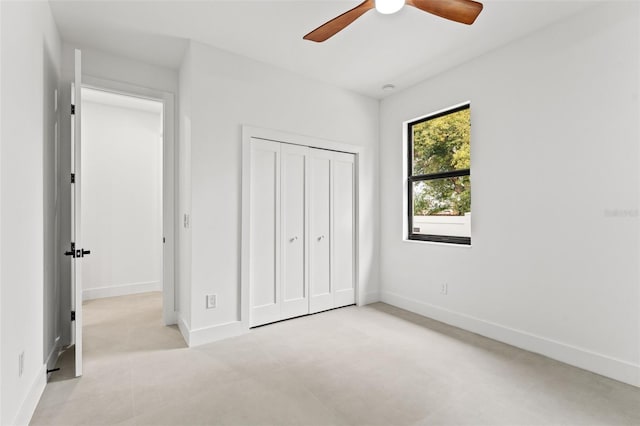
(73, 315)
(73, 178)
(73, 109)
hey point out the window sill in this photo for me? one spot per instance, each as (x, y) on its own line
(437, 243)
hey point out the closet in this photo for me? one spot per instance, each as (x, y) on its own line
(302, 230)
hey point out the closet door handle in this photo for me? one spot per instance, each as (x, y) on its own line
(321, 237)
(293, 239)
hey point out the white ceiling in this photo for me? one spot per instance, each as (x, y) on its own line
(401, 49)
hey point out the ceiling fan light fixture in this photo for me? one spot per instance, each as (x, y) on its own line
(462, 11)
(387, 7)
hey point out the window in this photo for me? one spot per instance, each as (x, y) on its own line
(439, 177)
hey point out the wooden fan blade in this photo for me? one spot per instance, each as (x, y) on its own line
(339, 23)
(463, 11)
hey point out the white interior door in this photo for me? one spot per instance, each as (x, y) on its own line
(77, 252)
(320, 289)
(264, 231)
(295, 301)
(343, 231)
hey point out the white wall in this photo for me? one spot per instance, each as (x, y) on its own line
(553, 265)
(121, 195)
(99, 64)
(184, 195)
(51, 133)
(1, 135)
(227, 91)
(28, 36)
(105, 66)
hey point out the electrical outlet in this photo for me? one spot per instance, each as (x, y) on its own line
(20, 364)
(211, 301)
(444, 288)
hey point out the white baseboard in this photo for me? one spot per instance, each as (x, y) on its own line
(201, 336)
(28, 407)
(605, 365)
(184, 329)
(369, 298)
(121, 290)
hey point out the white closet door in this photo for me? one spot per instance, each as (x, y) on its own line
(321, 295)
(265, 232)
(295, 300)
(343, 231)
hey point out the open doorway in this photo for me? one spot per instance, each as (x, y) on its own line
(121, 194)
(122, 223)
(147, 101)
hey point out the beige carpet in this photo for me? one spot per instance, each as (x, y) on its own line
(375, 365)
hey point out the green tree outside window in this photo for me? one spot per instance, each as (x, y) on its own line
(442, 144)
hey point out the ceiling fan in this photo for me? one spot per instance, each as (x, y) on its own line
(463, 11)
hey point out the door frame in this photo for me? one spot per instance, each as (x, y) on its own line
(169, 167)
(251, 132)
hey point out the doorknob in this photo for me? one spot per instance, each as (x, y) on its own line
(82, 252)
(293, 239)
(71, 252)
(76, 253)
(321, 237)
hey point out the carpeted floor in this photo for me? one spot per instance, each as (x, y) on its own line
(375, 365)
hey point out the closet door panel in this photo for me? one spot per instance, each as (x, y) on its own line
(321, 295)
(293, 183)
(343, 240)
(265, 232)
